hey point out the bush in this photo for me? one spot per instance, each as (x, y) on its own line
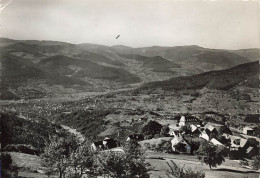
(151, 128)
(256, 162)
(8, 168)
(157, 136)
(165, 131)
(147, 145)
(6, 161)
(147, 137)
(252, 118)
(181, 172)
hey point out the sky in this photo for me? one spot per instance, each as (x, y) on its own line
(140, 23)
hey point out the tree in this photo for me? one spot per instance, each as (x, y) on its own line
(210, 154)
(9, 169)
(130, 163)
(165, 146)
(82, 159)
(56, 154)
(186, 129)
(165, 131)
(213, 135)
(151, 128)
(252, 142)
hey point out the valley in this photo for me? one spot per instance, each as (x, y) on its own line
(53, 88)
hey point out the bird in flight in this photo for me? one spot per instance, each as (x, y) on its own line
(117, 36)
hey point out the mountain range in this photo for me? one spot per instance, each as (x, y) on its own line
(39, 68)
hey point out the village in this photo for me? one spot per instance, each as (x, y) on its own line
(185, 136)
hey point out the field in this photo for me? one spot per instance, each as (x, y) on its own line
(230, 169)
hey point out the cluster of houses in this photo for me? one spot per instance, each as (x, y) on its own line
(208, 132)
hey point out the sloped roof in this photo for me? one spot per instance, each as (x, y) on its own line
(193, 128)
(182, 119)
(189, 119)
(243, 142)
(247, 128)
(249, 149)
(204, 135)
(209, 127)
(215, 142)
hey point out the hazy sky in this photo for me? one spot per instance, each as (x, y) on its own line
(222, 24)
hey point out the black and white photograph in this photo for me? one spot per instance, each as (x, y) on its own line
(129, 88)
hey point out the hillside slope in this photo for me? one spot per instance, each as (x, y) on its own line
(244, 74)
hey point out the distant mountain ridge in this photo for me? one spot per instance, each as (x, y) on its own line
(53, 66)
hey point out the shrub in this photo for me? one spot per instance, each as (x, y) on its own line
(147, 145)
(157, 136)
(181, 172)
(147, 137)
(256, 162)
(253, 118)
(165, 131)
(8, 168)
(151, 128)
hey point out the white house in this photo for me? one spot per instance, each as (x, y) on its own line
(182, 121)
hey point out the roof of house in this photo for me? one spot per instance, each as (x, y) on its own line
(249, 149)
(247, 128)
(232, 137)
(209, 127)
(189, 119)
(182, 119)
(243, 142)
(204, 135)
(215, 142)
(193, 128)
